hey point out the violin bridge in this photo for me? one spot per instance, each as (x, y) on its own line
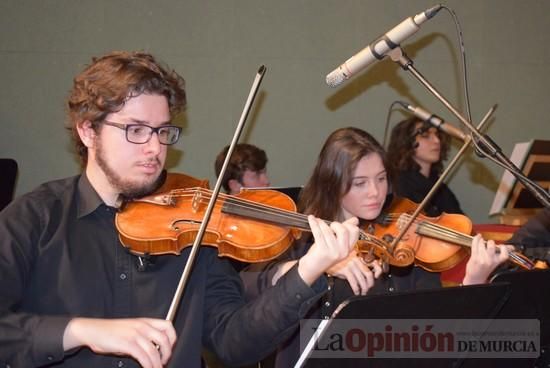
(196, 201)
(401, 221)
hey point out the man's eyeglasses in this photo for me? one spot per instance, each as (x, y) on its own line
(141, 133)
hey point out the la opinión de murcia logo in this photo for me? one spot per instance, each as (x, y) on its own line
(442, 338)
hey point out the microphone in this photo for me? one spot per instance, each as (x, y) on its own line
(435, 121)
(380, 47)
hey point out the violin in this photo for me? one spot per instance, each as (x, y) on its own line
(439, 243)
(252, 226)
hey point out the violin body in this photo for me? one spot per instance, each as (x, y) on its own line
(432, 254)
(168, 221)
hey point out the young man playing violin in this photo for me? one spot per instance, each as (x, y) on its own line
(72, 296)
(350, 181)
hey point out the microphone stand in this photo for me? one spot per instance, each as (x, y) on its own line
(482, 141)
(198, 239)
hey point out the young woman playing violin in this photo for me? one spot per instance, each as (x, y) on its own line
(350, 180)
(416, 153)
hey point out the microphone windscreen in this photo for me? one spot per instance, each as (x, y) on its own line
(335, 78)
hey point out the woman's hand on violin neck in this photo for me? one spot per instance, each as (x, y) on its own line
(484, 259)
(332, 244)
(360, 275)
(147, 340)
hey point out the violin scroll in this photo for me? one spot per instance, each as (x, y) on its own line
(372, 248)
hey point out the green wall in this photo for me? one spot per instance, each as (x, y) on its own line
(218, 46)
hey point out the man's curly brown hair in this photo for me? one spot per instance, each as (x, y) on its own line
(109, 81)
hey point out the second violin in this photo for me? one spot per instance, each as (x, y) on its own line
(439, 242)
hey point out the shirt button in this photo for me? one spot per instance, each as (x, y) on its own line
(50, 358)
(389, 276)
(120, 363)
(391, 288)
(299, 296)
(327, 304)
(122, 277)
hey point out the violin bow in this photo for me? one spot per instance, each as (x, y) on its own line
(214, 196)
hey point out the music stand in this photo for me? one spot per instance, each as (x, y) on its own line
(513, 203)
(529, 298)
(461, 303)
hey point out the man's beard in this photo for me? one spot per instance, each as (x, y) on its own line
(128, 190)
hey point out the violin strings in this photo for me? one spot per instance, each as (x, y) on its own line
(466, 240)
(278, 214)
(260, 208)
(239, 202)
(300, 220)
(435, 229)
(452, 235)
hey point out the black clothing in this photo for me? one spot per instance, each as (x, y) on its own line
(60, 258)
(257, 278)
(413, 185)
(533, 238)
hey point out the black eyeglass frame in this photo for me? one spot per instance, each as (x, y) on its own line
(152, 130)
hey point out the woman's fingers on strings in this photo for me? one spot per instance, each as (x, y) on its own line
(315, 227)
(483, 251)
(476, 244)
(337, 238)
(352, 225)
(488, 252)
(503, 252)
(491, 247)
(354, 221)
(340, 232)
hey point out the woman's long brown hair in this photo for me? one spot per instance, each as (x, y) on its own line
(332, 176)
